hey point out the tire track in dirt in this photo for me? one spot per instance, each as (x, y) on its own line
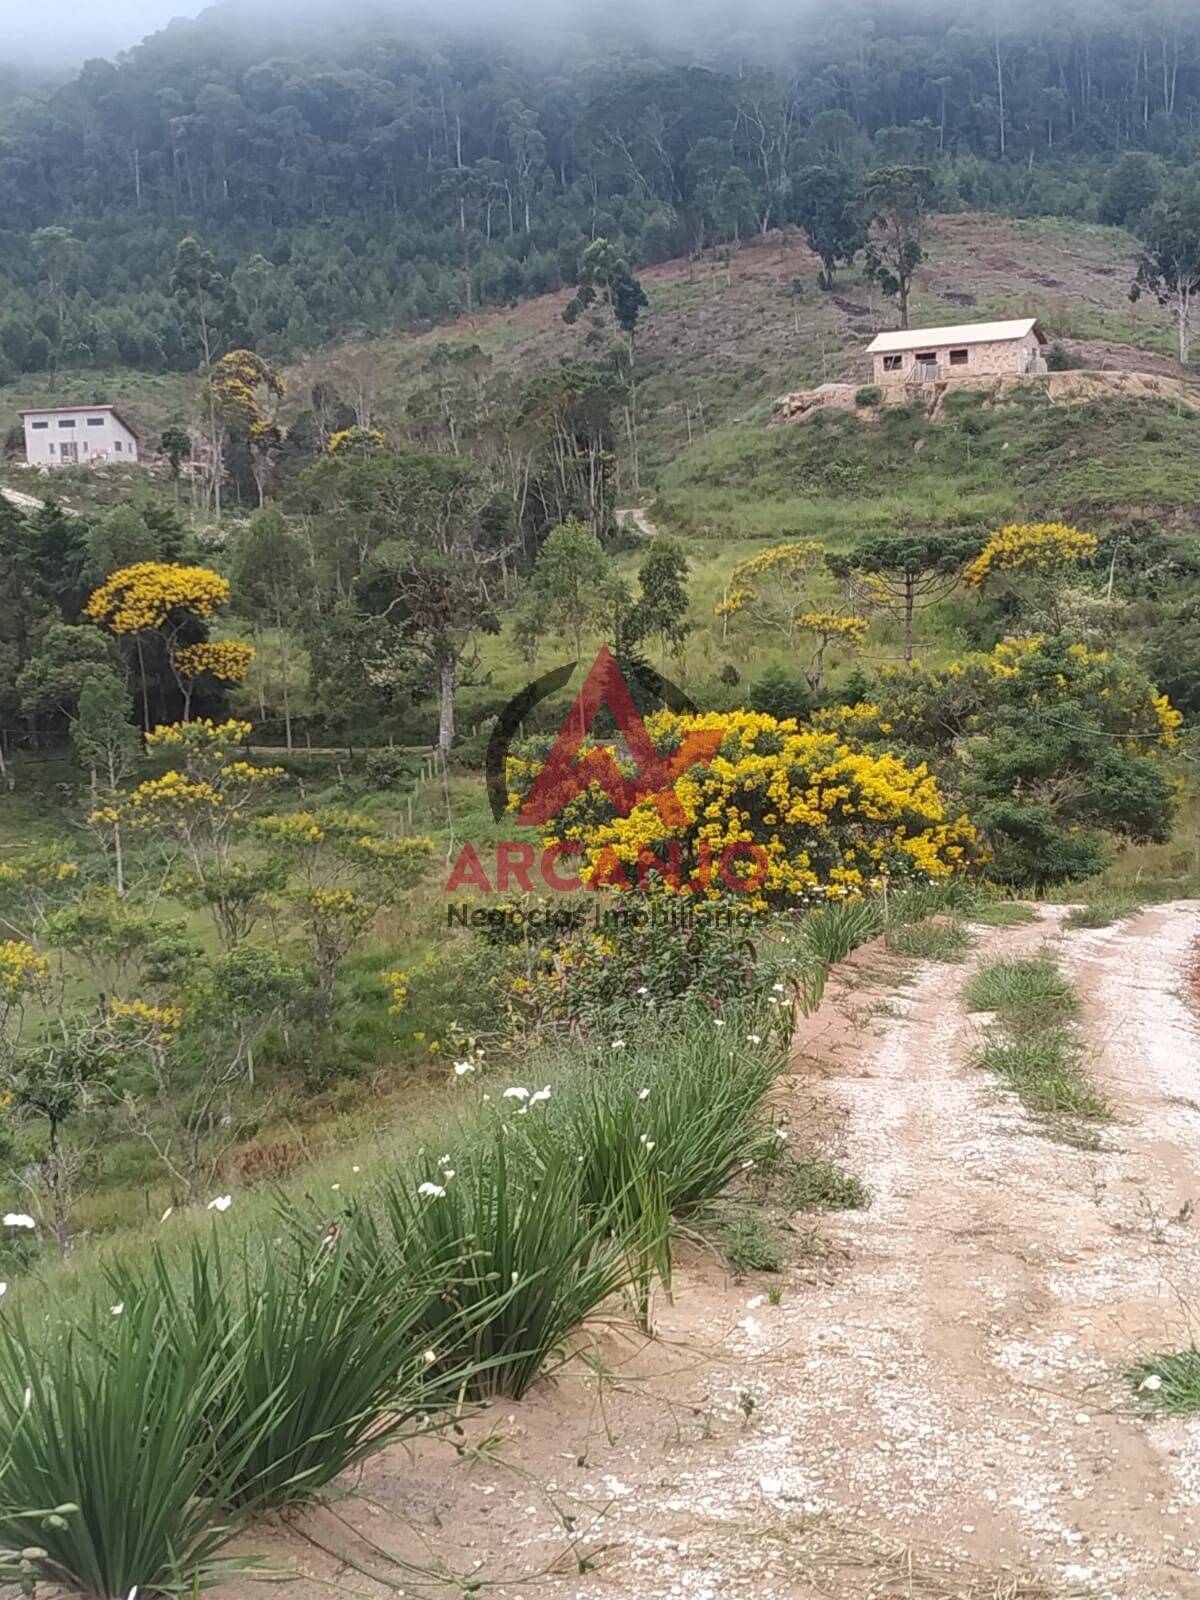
(935, 1401)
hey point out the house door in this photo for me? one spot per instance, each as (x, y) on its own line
(69, 451)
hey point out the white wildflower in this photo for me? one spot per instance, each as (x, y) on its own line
(461, 1068)
(18, 1219)
(335, 1186)
(166, 1213)
(515, 1093)
(643, 1094)
(754, 1038)
(118, 1308)
(221, 1203)
(448, 1174)
(718, 1022)
(1151, 1381)
(618, 1044)
(541, 1094)
(430, 1356)
(431, 1191)
(642, 990)
(3, 1290)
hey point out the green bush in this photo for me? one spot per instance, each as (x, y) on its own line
(520, 1259)
(781, 694)
(104, 1423)
(869, 395)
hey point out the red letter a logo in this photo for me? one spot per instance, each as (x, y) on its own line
(567, 773)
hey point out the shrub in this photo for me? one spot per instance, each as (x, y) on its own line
(1060, 359)
(781, 694)
(322, 1343)
(519, 1258)
(870, 394)
(778, 814)
(104, 1422)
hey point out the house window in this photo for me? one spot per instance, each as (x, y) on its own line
(66, 422)
(891, 363)
(39, 424)
(52, 447)
(926, 358)
(95, 422)
(959, 358)
(117, 446)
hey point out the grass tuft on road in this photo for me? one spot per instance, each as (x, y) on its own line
(931, 941)
(1022, 991)
(1032, 1044)
(1102, 912)
(1169, 1383)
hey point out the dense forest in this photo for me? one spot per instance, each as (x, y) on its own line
(385, 176)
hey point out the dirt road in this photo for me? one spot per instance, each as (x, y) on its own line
(934, 1407)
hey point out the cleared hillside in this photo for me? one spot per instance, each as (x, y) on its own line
(724, 336)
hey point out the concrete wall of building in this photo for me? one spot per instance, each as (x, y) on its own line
(77, 437)
(990, 358)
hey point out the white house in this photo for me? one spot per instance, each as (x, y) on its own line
(69, 436)
(983, 349)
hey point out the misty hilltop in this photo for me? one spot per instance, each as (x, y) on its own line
(400, 169)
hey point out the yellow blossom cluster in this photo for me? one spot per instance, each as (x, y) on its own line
(398, 985)
(45, 870)
(781, 814)
(226, 659)
(163, 1021)
(833, 625)
(1040, 545)
(21, 969)
(348, 440)
(785, 569)
(203, 733)
(143, 596)
(171, 800)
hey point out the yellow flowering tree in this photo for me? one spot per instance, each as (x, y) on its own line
(1049, 744)
(196, 813)
(773, 589)
(159, 601)
(1035, 561)
(826, 628)
(226, 660)
(33, 882)
(341, 869)
(24, 975)
(245, 393)
(782, 815)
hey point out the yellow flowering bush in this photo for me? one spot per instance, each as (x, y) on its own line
(342, 870)
(146, 595)
(350, 441)
(398, 986)
(1049, 743)
(22, 970)
(161, 1022)
(1021, 545)
(781, 814)
(225, 659)
(32, 883)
